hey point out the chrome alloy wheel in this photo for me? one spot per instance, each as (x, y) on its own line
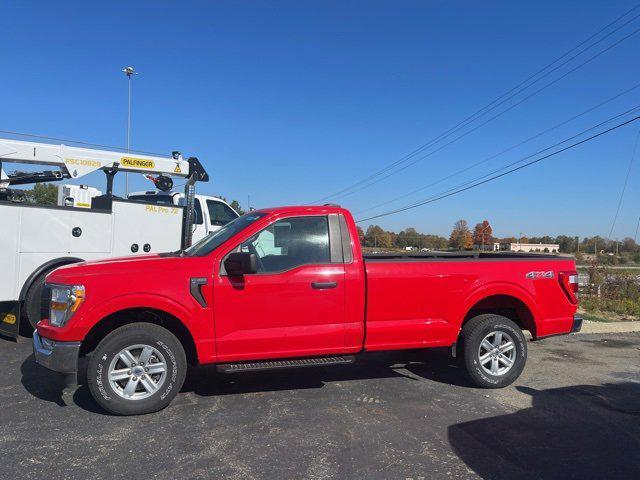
(137, 372)
(497, 353)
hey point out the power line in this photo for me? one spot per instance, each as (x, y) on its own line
(495, 177)
(624, 185)
(77, 142)
(532, 155)
(502, 152)
(490, 106)
(511, 107)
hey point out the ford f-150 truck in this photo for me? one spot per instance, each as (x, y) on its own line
(290, 287)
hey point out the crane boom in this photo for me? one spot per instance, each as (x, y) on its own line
(75, 162)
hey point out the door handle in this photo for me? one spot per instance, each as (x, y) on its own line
(323, 285)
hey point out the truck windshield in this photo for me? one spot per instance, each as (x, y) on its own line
(212, 241)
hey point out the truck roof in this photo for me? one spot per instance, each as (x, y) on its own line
(320, 209)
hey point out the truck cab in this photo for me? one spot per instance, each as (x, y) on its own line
(211, 213)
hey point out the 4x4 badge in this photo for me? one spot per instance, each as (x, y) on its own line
(536, 275)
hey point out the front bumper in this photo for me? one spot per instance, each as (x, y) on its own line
(57, 356)
(577, 324)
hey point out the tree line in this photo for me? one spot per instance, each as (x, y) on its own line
(462, 237)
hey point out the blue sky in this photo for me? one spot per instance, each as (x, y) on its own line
(290, 101)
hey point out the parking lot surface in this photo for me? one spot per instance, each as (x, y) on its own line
(574, 413)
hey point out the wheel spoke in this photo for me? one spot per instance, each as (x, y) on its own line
(495, 365)
(484, 359)
(119, 374)
(497, 339)
(156, 368)
(507, 347)
(127, 358)
(145, 355)
(505, 360)
(130, 388)
(148, 384)
(486, 345)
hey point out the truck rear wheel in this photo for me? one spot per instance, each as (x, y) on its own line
(136, 369)
(494, 350)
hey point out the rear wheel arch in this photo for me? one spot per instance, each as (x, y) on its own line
(128, 316)
(507, 305)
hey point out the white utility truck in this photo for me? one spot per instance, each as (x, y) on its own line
(36, 239)
(209, 213)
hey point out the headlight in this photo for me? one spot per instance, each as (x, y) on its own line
(65, 300)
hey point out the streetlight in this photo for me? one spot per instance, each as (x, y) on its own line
(129, 72)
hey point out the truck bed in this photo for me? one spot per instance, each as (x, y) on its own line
(422, 300)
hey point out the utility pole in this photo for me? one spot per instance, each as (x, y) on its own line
(129, 72)
(635, 237)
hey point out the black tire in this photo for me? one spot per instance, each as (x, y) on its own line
(111, 397)
(472, 335)
(34, 304)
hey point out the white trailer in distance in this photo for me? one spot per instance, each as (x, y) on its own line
(36, 239)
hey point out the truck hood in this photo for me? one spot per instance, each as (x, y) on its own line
(119, 265)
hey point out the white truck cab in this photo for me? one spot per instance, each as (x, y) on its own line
(210, 213)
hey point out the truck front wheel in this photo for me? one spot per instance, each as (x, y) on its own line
(136, 369)
(494, 350)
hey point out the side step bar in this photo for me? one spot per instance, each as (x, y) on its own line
(287, 363)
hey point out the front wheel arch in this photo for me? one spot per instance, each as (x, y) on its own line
(141, 314)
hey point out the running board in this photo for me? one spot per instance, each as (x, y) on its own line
(292, 363)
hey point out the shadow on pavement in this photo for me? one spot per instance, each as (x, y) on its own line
(435, 365)
(580, 432)
(432, 365)
(41, 382)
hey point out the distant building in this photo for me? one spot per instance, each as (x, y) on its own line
(527, 247)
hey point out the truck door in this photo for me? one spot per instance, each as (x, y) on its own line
(294, 305)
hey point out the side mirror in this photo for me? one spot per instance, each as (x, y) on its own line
(241, 263)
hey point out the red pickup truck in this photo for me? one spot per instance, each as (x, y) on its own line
(290, 287)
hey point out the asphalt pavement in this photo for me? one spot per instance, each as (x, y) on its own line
(574, 413)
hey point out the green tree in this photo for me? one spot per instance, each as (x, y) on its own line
(237, 207)
(43, 194)
(377, 237)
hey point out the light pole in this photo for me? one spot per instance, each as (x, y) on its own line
(129, 72)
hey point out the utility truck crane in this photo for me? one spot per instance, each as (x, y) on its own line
(36, 239)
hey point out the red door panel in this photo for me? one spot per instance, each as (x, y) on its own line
(280, 314)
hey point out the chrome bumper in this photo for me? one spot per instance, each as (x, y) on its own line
(57, 356)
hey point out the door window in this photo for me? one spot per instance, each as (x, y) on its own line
(197, 220)
(289, 243)
(220, 213)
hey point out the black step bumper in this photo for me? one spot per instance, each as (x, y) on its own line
(577, 324)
